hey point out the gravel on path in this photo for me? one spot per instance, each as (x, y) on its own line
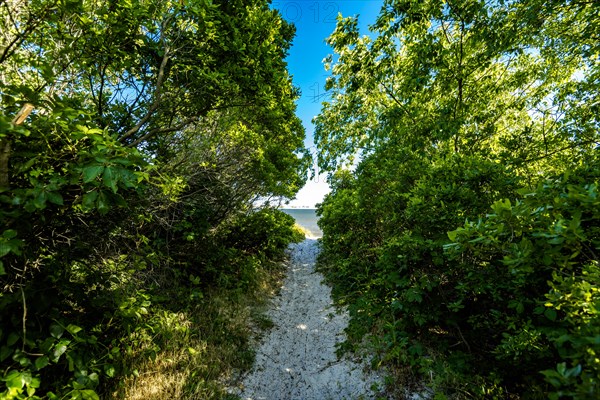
(297, 358)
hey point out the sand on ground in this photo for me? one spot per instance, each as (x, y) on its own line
(297, 358)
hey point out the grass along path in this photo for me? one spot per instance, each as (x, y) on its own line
(297, 358)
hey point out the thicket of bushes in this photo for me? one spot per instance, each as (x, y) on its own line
(505, 304)
(130, 245)
(465, 241)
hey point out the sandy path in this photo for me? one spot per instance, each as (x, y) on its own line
(297, 358)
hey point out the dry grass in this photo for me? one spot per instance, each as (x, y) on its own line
(201, 350)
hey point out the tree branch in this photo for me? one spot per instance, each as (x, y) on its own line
(157, 92)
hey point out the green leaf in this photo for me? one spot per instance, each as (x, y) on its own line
(88, 394)
(35, 382)
(16, 379)
(12, 245)
(5, 352)
(453, 234)
(109, 370)
(561, 368)
(550, 313)
(73, 329)
(552, 377)
(572, 372)
(9, 234)
(59, 350)
(22, 359)
(128, 178)
(122, 161)
(41, 362)
(47, 344)
(557, 240)
(92, 172)
(2, 270)
(119, 200)
(55, 198)
(4, 248)
(110, 179)
(102, 203)
(12, 339)
(89, 200)
(94, 379)
(56, 331)
(40, 200)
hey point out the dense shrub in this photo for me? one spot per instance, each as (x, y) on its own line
(401, 270)
(454, 107)
(531, 266)
(509, 299)
(134, 142)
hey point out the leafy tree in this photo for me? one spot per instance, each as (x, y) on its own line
(450, 106)
(153, 127)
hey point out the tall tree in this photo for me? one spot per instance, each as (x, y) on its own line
(446, 108)
(153, 127)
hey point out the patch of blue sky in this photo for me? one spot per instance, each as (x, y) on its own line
(315, 20)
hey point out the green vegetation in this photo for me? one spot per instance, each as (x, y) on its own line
(135, 137)
(465, 241)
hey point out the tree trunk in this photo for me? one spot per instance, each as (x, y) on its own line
(5, 145)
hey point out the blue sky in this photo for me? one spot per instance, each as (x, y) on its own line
(315, 20)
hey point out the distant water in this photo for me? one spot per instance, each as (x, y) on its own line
(306, 218)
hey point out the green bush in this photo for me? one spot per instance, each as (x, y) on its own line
(503, 305)
(396, 266)
(265, 231)
(230, 257)
(130, 167)
(531, 266)
(453, 107)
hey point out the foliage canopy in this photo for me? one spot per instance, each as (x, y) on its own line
(135, 138)
(447, 109)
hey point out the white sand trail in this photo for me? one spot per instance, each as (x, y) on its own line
(297, 358)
